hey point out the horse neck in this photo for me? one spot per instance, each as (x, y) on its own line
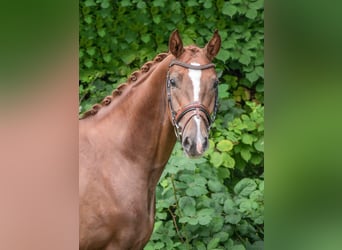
(147, 133)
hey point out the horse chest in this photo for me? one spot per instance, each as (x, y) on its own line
(127, 224)
(136, 220)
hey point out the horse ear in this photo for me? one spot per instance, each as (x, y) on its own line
(213, 46)
(176, 44)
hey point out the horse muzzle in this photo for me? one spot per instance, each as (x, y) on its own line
(195, 137)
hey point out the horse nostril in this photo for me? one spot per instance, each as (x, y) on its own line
(187, 143)
(205, 143)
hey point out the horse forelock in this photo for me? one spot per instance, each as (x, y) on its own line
(192, 52)
(135, 78)
(194, 49)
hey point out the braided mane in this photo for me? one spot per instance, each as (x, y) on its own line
(133, 78)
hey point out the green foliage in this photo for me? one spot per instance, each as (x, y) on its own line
(215, 202)
(213, 215)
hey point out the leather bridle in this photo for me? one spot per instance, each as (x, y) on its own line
(196, 107)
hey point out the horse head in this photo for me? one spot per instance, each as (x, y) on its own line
(192, 86)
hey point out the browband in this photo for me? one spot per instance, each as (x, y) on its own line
(190, 66)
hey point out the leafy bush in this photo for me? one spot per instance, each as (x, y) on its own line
(215, 202)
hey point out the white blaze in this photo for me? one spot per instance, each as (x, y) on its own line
(195, 77)
(199, 146)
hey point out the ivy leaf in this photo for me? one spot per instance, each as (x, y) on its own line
(260, 87)
(260, 71)
(206, 212)
(101, 32)
(191, 19)
(157, 19)
(223, 55)
(81, 54)
(193, 221)
(127, 58)
(245, 187)
(258, 245)
(245, 154)
(233, 218)
(141, 5)
(187, 178)
(88, 63)
(159, 3)
(222, 235)
(256, 5)
(252, 76)
(228, 161)
(238, 247)
(159, 245)
(204, 220)
(200, 180)
(217, 224)
(107, 58)
(157, 225)
(256, 159)
(259, 144)
(89, 3)
(187, 204)
(191, 3)
(247, 139)
(91, 51)
(199, 245)
(251, 13)
(228, 9)
(146, 38)
(229, 44)
(256, 195)
(130, 36)
(208, 4)
(105, 4)
(214, 186)
(223, 173)
(196, 191)
(161, 216)
(245, 206)
(172, 169)
(213, 243)
(244, 59)
(223, 91)
(216, 159)
(225, 146)
(184, 219)
(125, 3)
(261, 186)
(229, 206)
(149, 246)
(88, 19)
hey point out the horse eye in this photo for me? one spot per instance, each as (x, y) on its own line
(216, 83)
(173, 82)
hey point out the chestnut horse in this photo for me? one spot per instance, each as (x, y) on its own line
(126, 141)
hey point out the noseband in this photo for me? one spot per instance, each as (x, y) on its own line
(195, 106)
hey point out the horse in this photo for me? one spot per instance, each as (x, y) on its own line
(126, 141)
